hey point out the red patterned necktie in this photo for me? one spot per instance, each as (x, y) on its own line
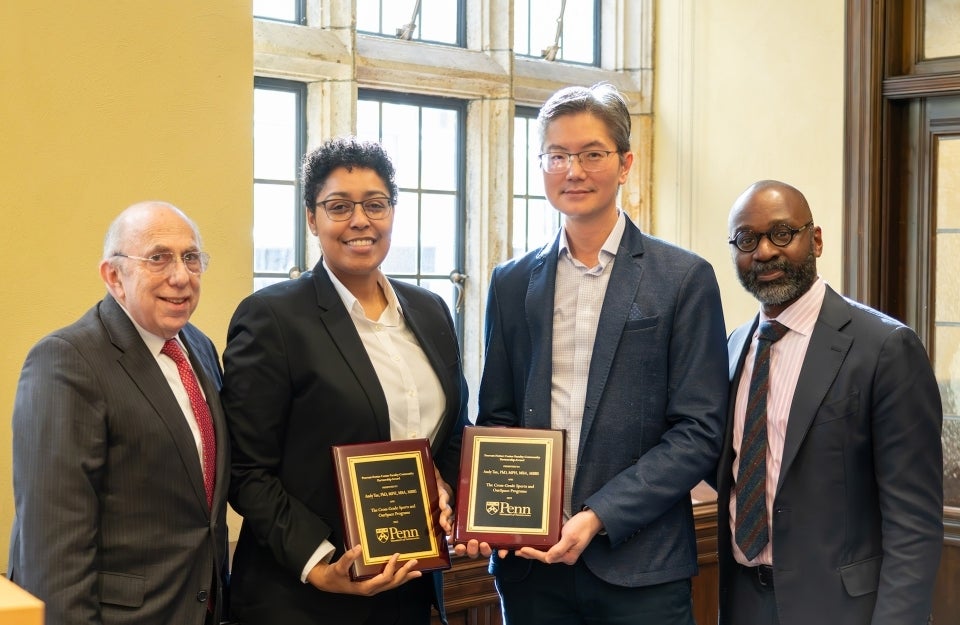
(751, 524)
(201, 411)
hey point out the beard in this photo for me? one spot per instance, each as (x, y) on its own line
(796, 280)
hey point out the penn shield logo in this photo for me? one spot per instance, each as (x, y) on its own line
(505, 508)
(396, 535)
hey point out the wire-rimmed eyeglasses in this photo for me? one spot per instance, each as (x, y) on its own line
(780, 235)
(340, 209)
(195, 262)
(559, 162)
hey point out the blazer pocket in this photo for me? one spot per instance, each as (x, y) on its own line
(633, 325)
(122, 589)
(863, 577)
(838, 409)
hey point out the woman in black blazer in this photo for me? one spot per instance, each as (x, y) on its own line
(340, 355)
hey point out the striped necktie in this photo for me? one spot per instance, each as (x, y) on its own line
(751, 531)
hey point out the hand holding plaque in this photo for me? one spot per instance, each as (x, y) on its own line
(390, 504)
(510, 493)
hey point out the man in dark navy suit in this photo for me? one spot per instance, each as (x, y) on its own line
(851, 486)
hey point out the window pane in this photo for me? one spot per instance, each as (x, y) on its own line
(579, 32)
(368, 120)
(439, 136)
(438, 220)
(274, 134)
(437, 21)
(542, 223)
(535, 29)
(285, 10)
(273, 219)
(535, 222)
(941, 23)
(401, 138)
(402, 258)
(946, 338)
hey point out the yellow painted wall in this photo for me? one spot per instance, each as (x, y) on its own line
(744, 91)
(103, 104)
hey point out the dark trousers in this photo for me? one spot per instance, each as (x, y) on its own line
(571, 595)
(751, 603)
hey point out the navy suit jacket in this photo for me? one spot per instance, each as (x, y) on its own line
(298, 380)
(857, 522)
(112, 522)
(656, 397)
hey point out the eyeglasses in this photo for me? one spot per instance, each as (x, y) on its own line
(339, 209)
(559, 162)
(195, 262)
(780, 235)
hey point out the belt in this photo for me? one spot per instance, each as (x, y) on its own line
(763, 573)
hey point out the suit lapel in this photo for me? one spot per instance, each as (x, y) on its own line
(621, 293)
(826, 352)
(342, 331)
(538, 308)
(143, 370)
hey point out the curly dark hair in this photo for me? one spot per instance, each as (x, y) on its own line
(348, 152)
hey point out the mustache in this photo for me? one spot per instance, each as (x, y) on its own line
(781, 264)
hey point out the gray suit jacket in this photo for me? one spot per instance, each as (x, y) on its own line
(112, 524)
(655, 406)
(857, 523)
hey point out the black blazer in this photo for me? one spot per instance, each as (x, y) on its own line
(297, 380)
(857, 525)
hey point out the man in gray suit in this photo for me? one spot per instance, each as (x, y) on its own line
(830, 509)
(120, 450)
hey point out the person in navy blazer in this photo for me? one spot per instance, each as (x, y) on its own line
(651, 413)
(855, 523)
(305, 368)
(112, 520)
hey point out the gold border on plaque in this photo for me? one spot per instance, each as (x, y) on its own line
(352, 462)
(544, 528)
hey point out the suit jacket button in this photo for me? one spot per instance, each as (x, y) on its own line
(202, 596)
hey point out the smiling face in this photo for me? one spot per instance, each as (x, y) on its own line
(776, 276)
(353, 249)
(161, 303)
(581, 195)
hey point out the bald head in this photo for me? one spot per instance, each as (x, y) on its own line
(771, 195)
(134, 219)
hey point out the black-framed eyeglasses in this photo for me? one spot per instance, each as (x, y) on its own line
(340, 209)
(559, 162)
(195, 262)
(780, 235)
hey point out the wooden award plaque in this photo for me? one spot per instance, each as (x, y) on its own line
(510, 492)
(390, 504)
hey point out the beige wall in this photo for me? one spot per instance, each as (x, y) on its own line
(743, 91)
(104, 104)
